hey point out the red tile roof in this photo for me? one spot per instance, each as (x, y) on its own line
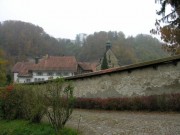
(65, 63)
(87, 66)
(22, 68)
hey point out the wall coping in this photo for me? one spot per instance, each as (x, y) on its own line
(129, 68)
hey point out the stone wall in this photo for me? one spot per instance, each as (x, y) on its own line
(149, 78)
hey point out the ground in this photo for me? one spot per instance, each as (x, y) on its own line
(125, 123)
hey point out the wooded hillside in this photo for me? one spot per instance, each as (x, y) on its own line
(22, 41)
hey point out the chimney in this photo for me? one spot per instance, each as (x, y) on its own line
(37, 60)
(108, 45)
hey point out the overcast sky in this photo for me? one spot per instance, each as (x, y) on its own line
(66, 18)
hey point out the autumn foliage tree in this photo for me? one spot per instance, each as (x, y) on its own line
(170, 33)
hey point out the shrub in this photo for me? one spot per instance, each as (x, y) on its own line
(22, 102)
(165, 102)
(33, 102)
(11, 103)
(59, 96)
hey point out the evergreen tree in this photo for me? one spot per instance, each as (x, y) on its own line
(104, 64)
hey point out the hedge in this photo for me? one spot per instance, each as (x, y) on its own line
(164, 102)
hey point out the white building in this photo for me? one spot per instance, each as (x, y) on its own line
(47, 68)
(80, 38)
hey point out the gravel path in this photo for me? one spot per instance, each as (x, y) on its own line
(125, 123)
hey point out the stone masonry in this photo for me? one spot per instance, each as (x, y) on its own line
(150, 78)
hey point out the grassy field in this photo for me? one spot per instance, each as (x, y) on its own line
(21, 127)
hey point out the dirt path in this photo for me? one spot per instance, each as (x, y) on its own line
(125, 123)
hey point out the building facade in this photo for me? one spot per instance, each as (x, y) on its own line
(48, 68)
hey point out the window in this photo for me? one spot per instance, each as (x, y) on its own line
(49, 78)
(50, 74)
(66, 73)
(39, 73)
(17, 80)
(28, 80)
(35, 79)
(59, 74)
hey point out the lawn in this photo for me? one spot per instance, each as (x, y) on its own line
(21, 127)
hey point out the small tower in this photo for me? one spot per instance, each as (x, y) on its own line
(108, 45)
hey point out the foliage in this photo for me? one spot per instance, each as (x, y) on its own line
(169, 25)
(2, 69)
(104, 63)
(59, 96)
(174, 15)
(145, 48)
(165, 102)
(32, 41)
(172, 38)
(21, 127)
(128, 50)
(32, 102)
(22, 102)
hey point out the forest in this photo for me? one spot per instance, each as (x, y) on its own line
(21, 41)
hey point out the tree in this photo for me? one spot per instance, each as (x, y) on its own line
(2, 69)
(172, 38)
(170, 32)
(104, 64)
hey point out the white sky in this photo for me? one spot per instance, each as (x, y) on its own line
(66, 18)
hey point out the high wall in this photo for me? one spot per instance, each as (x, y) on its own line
(149, 78)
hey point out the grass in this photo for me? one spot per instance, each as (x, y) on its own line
(21, 127)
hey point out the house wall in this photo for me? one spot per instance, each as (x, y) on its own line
(148, 80)
(46, 76)
(43, 77)
(24, 79)
(15, 77)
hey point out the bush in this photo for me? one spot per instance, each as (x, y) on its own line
(22, 102)
(32, 102)
(165, 102)
(59, 96)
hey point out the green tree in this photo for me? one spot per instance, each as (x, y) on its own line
(2, 69)
(104, 64)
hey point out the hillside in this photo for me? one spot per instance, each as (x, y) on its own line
(22, 41)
